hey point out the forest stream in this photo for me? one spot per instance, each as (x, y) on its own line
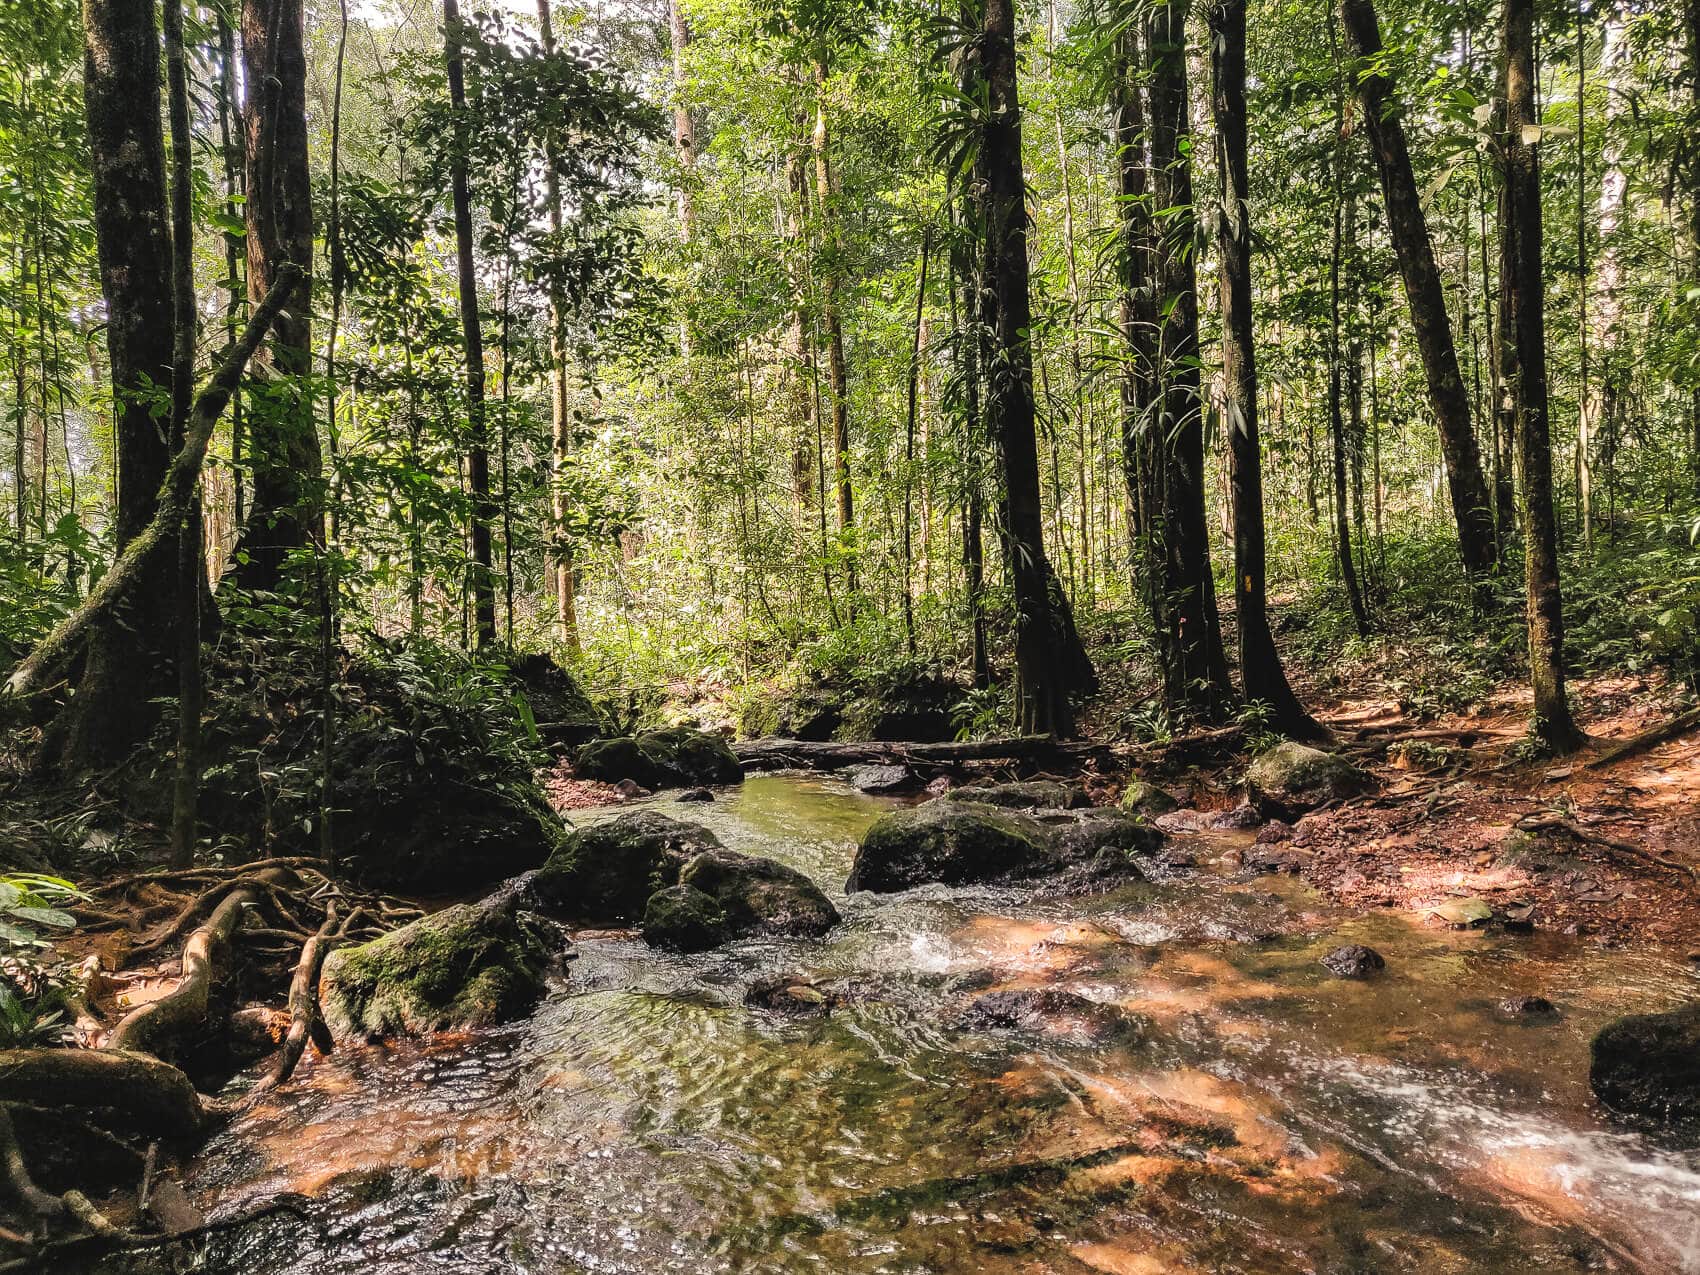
(1249, 1113)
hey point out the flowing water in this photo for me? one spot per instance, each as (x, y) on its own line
(1269, 1117)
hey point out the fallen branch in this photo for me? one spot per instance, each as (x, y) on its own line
(175, 495)
(146, 1027)
(1652, 737)
(761, 754)
(1551, 820)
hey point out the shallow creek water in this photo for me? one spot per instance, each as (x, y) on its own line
(1271, 1118)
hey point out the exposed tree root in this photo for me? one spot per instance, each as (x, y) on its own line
(42, 1204)
(304, 1015)
(1650, 738)
(140, 1092)
(155, 1024)
(1550, 820)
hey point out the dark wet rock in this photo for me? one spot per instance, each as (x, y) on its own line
(1242, 817)
(760, 896)
(676, 757)
(1280, 857)
(468, 966)
(1030, 794)
(1527, 1007)
(1142, 798)
(563, 712)
(684, 919)
(1354, 960)
(955, 842)
(1290, 779)
(1274, 833)
(1051, 1011)
(1648, 1065)
(883, 779)
(631, 790)
(695, 794)
(1182, 821)
(604, 874)
(794, 995)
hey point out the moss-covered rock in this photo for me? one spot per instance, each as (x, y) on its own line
(564, 714)
(1030, 794)
(684, 919)
(604, 874)
(1290, 779)
(1648, 1065)
(1146, 799)
(676, 757)
(759, 895)
(468, 966)
(955, 842)
(902, 705)
(952, 842)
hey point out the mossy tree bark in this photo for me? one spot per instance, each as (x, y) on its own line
(1195, 665)
(1051, 663)
(1448, 397)
(1261, 676)
(283, 442)
(131, 649)
(1552, 723)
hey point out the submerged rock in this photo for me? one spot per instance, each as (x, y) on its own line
(1354, 960)
(1290, 779)
(1029, 794)
(695, 794)
(955, 842)
(604, 874)
(676, 757)
(1141, 798)
(1527, 1007)
(471, 965)
(758, 895)
(883, 779)
(1648, 1065)
(1051, 1011)
(684, 919)
(795, 995)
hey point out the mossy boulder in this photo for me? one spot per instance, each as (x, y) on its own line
(1031, 794)
(604, 874)
(1103, 841)
(1290, 779)
(949, 842)
(760, 896)
(469, 966)
(1146, 799)
(684, 919)
(1648, 1065)
(678, 757)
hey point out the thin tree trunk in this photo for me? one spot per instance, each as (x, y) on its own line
(1423, 290)
(1190, 636)
(909, 445)
(285, 516)
(1552, 723)
(472, 336)
(1261, 676)
(1343, 227)
(838, 382)
(187, 782)
(1051, 663)
(684, 149)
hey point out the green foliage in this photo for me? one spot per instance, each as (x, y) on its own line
(32, 905)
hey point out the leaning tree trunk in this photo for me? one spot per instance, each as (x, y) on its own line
(283, 440)
(1448, 397)
(1051, 663)
(1195, 667)
(132, 651)
(1552, 723)
(1261, 676)
(472, 338)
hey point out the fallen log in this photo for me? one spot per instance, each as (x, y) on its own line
(175, 494)
(137, 1091)
(773, 754)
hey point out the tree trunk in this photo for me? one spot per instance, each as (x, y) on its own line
(1261, 676)
(1448, 397)
(1552, 722)
(684, 147)
(472, 337)
(1195, 666)
(804, 458)
(1051, 663)
(1136, 311)
(560, 570)
(838, 381)
(131, 652)
(1344, 216)
(283, 442)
